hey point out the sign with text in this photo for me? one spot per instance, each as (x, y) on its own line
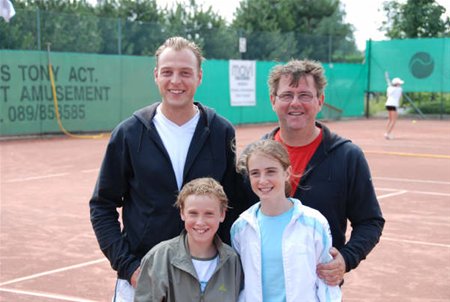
(242, 83)
(93, 92)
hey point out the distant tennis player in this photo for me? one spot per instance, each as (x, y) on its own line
(393, 94)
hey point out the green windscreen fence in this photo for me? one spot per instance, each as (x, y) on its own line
(93, 92)
(96, 92)
(424, 64)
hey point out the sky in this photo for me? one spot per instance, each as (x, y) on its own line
(365, 15)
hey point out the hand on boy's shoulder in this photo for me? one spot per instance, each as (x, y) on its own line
(135, 277)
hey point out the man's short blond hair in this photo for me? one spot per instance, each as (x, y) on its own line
(179, 43)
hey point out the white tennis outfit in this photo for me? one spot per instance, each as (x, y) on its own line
(394, 93)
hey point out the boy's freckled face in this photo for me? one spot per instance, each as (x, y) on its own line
(202, 215)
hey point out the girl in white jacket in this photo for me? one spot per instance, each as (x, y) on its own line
(280, 241)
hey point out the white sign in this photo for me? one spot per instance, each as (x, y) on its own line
(242, 45)
(242, 83)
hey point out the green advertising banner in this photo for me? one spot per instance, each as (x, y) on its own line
(424, 64)
(93, 92)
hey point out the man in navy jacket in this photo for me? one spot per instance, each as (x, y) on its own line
(148, 159)
(331, 173)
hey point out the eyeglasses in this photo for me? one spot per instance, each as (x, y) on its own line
(301, 97)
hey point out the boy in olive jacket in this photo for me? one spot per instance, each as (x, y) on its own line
(196, 265)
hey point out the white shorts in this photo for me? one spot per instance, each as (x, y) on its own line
(124, 292)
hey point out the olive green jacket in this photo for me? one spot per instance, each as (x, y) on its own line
(167, 274)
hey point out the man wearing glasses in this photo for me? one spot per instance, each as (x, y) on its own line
(330, 173)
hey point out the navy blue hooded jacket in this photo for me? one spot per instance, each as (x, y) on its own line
(337, 183)
(137, 176)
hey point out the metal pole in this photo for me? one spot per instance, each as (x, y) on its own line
(38, 28)
(368, 62)
(330, 42)
(119, 36)
(414, 105)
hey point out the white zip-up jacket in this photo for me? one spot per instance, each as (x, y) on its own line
(306, 242)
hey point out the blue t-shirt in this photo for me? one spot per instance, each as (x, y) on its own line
(272, 228)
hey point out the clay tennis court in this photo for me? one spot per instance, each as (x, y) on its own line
(48, 251)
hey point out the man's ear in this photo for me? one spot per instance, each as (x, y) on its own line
(321, 101)
(272, 101)
(200, 76)
(155, 73)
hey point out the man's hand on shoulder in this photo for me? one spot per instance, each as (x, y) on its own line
(135, 277)
(332, 272)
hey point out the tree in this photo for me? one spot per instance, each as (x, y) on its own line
(204, 26)
(415, 19)
(70, 31)
(275, 29)
(67, 25)
(135, 25)
(313, 29)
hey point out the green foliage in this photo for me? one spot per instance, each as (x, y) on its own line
(376, 103)
(207, 28)
(135, 28)
(281, 30)
(56, 20)
(275, 30)
(430, 102)
(434, 108)
(415, 19)
(20, 32)
(58, 29)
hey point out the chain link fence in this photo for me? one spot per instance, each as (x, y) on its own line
(34, 29)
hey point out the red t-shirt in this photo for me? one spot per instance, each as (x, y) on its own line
(299, 157)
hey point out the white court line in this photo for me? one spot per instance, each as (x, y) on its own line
(48, 176)
(36, 177)
(90, 170)
(416, 242)
(414, 180)
(53, 271)
(392, 194)
(45, 295)
(430, 193)
(411, 191)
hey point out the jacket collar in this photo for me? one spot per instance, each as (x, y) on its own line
(183, 260)
(250, 214)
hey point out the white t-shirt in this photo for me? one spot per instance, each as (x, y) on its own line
(394, 93)
(205, 268)
(272, 267)
(176, 140)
